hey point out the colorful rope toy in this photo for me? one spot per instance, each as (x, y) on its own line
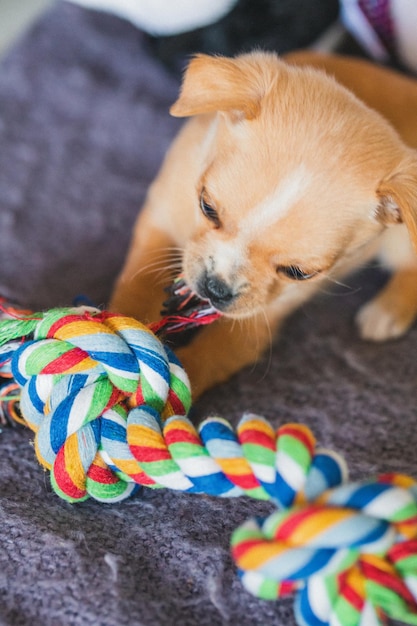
(108, 403)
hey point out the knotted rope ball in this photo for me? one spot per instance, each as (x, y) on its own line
(91, 383)
(108, 403)
(350, 554)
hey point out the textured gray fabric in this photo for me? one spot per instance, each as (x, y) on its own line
(83, 126)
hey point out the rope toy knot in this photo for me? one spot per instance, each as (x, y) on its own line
(84, 375)
(349, 553)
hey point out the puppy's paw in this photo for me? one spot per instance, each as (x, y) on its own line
(380, 321)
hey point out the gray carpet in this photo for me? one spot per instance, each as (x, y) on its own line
(83, 127)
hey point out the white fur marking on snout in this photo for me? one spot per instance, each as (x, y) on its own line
(227, 257)
(278, 204)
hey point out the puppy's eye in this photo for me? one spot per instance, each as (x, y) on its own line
(208, 210)
(294, 272)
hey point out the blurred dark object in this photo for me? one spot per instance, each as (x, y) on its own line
(279, 25)
(349, 45)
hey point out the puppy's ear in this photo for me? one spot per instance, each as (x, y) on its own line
(398, 198)
(219, 84)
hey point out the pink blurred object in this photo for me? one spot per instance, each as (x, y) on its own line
(385, 28)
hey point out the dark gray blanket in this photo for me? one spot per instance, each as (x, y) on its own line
(83, 127)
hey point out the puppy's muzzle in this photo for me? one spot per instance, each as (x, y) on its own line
(215, 289)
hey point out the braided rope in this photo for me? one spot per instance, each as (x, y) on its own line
(108, 404)
(351, 553)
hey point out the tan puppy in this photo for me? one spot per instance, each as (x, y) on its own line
(282, 181)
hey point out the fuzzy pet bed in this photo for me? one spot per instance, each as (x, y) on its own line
(83, 128)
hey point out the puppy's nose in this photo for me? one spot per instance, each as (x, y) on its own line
(216, 290)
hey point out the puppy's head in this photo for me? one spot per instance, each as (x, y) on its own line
(296, 177)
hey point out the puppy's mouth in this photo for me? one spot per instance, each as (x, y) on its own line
(231, 294)
(214, 289)
(224, 297)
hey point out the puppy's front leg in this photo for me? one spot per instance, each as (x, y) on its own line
(151, 263)
(221, 350)
(391, 313)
